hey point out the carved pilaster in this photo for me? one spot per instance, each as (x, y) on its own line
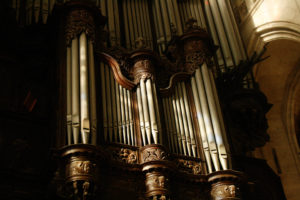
(80, 170)
(156, 166)
(226, 185)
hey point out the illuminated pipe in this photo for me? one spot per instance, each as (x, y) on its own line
(113, 106)
(130, 118)
(84, 89)
(214, 117)
(142, 15)
(141, 116)
(69, 96)
(180, 121)
(232, 36)
(157, 111)
(122, 104)
(146, 111)
(220, 29)
(154, 127)
(103, 6)
(179, 138)
(109, 106)
(207, 120)
(93, 106)
(126, 116)
(75, 91)
(201, 124)
(104, 104)
(161, 37)
(118, 102)
(182, 113)
(189, 120)
(201, 14)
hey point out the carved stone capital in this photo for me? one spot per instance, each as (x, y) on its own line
(226, 185)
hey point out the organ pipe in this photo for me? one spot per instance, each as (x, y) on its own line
(69, 96)
(75, 91)
(104, 104)
(141, 116)
(84, 90)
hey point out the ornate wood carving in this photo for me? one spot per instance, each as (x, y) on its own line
(153, 153)
(81, 17)
(226, 184)
(189, 166)
(157, 184)
(124, 155)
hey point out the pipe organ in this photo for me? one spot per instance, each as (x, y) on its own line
(141, 98)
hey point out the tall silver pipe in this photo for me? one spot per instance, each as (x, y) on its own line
(180, 121)
(141, 116)
(118, 102)
(181, 145)
(157, 113)
(167, 120)
(75, 91)
(69, 96)
(126, 116)
(126, 24)
(146, 111)
(207, 120)
(113, 106)
(84, 89)
(122, 102)
(172, 125)
(131, 128)
(93, 106)
(183, 113)
(189, 120)
(215, 117)
(201, 124)
(154, 127)
(117, 21)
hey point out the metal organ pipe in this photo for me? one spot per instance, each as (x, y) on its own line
(84, 90)
(201, 124)
(92, 84)
(75, 91)
(182, 113)
(69, 96)
(207, 120)
(104, 103)
(141, 116)
(154, 128)
(113, 105)
(215, 117)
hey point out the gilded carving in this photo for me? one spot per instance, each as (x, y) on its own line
(128, 156)
(153, 154)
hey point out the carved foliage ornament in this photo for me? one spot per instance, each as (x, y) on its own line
(125, 155)
(79, 21)
(153, 154)
(190, 166)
